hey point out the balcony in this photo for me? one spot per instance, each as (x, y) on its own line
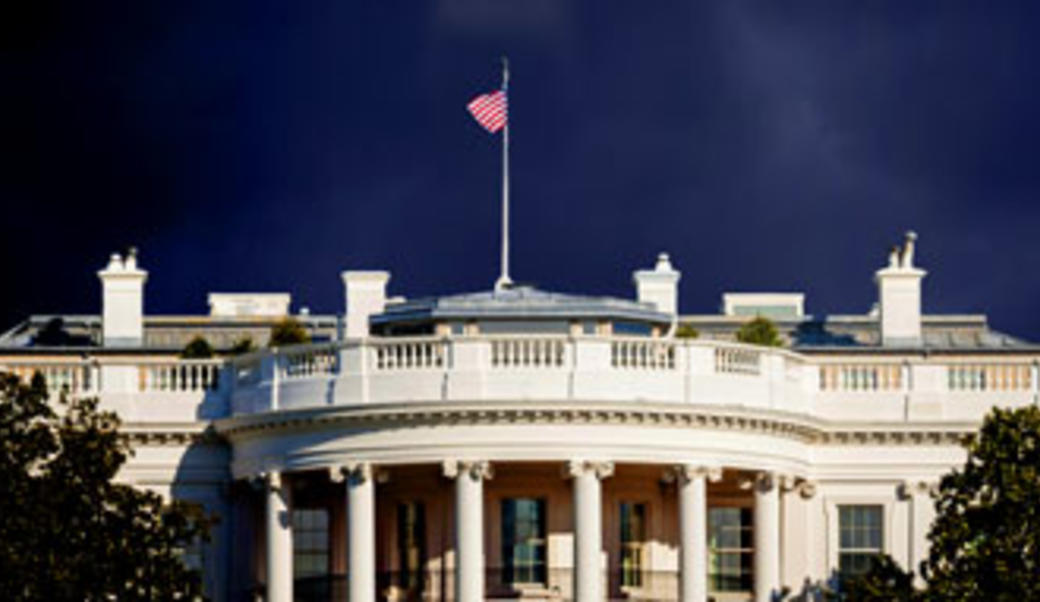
(839, 388)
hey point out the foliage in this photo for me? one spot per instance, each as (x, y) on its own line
(985, 540)
(197, 349)
(242, 346)
(687, 331)
(760, 331)
(68, 531)
(288, 331)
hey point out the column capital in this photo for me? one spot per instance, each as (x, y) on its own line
(601, 469)
(804, 487)
(268, 479)
(354, 472)
(684, 473)
(762, 482)
(912, 488)
(474, 469)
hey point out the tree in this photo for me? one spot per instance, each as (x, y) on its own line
(985, 540)
(242, 346)
(197, 349)
(288, 331)
(760, 331)
(68, 531)
(686, 331)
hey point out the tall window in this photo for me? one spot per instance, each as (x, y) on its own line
(523, 540)
(633, 538)
(730, 549)
(411, 545)
(310, 542)
(859, 538)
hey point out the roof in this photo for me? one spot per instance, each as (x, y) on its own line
(520, 302)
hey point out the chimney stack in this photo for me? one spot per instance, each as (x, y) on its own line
(122, 301)
(899, 296)
(365, 293)
(659, 286)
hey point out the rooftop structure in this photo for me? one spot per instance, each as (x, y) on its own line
(521, 443)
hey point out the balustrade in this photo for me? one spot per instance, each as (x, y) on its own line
(182, 375)
(861, 377)
(738, 360)
(643, 354)
(527, 353)
(75, 377)
(989, 377)
(409, 354)
(309, 361)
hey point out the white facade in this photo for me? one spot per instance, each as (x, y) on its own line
(641, 466)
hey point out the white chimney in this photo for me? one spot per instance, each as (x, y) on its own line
(659, 286)
(365, 296)
(122, 301)
(899, 296)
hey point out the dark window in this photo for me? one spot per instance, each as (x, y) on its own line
(523, 540)
(633, 540)
(730, 549)
(859, 535)
(411, 545)
(310, 542)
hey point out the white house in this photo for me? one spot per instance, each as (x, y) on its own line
(519, 443)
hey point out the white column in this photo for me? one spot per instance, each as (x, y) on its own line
(469, 527)
(767, 537)
(588, 528)
(922, 513)
(278, 521)
(361, 529)
(693, 530)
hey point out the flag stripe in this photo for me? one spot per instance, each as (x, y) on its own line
(490, 110)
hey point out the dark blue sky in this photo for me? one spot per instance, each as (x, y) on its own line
(768, 146)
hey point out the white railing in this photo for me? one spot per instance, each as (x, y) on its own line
(409, 354)
(180, 375)
(642, 354)
(306, 362)
(990, 377)
(861, 377)
(738, 360)
(527, 352)
(75, 377)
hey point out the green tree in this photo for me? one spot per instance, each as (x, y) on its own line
(68, 532)
(242, 346)
(985, 540)
(197, 349)
(687, 331)
(760, 331)
(288, 331)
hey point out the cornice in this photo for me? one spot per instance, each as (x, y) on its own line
(770, 423)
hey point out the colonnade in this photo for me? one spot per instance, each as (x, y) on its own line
(469, 476)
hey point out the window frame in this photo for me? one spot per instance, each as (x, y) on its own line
(537, 570)
(635, 577)
(746, 531)
(298, 549)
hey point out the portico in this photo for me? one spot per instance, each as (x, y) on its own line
(581, 529)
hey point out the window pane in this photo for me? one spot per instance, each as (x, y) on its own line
(310, 542)
(523, 540)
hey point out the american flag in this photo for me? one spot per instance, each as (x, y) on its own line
(491, 110)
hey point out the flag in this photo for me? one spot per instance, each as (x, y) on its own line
(491, 110)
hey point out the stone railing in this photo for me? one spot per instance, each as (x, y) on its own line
(1005, 376)
(180, 375)
(861, 377)
(74, 376)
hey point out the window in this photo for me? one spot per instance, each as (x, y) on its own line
(859, 538)
(633, 537)
(411, 545)
(523, 540)
(310, 542)
(730, 549)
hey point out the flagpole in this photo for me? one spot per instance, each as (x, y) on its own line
(504, 281)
